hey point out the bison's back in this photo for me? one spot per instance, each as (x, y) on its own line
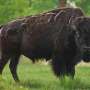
(35, 36)
(42, 31)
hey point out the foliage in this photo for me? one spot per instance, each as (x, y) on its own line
(40, 77)
(11, 9)
(85, 5)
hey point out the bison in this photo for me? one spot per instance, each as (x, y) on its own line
(52, 35)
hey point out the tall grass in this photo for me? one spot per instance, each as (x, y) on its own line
(40, 77)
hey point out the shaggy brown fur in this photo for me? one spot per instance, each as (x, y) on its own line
(82, 27)
(48, 35)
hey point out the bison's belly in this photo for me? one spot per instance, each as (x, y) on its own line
(38, 53)
(37, 48)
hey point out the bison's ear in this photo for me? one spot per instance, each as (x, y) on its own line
(60, 16)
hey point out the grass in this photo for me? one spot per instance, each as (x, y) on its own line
(40, 77)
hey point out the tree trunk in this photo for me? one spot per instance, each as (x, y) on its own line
(30, 3)
(62, 3)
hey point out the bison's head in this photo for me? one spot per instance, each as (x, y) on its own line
(81, 26)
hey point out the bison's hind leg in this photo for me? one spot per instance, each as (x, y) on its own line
(13, 66)
(3, 61)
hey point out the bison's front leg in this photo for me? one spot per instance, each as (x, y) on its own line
(59, 66)
(70, 70)
(62, 66)
(13, 67)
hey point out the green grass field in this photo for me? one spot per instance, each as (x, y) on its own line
(40, 77)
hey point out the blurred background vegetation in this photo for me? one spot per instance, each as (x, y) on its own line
(11, 9)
